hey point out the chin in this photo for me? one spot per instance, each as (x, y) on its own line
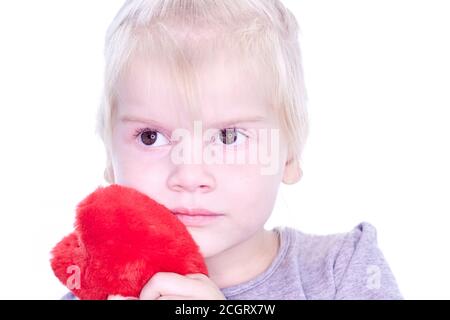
(208, 247)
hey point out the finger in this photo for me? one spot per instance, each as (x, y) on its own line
(174, 297)
(167, 284)
(198, 276)
(120, 297)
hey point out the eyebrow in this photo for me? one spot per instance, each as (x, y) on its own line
(220, 124)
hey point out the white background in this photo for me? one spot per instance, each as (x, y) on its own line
(378, 79)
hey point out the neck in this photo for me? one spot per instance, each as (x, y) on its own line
(244, 261)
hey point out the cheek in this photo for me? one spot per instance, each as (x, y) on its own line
(143, 170)
(142, 175)
(249, 192)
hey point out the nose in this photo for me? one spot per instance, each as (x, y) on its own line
(191, 178)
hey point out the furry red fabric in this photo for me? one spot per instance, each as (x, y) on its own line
(122, 238)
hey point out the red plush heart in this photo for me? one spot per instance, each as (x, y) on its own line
(122, 238)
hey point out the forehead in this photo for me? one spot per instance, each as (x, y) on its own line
(227, 89)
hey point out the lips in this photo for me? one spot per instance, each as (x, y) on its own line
(195, 212)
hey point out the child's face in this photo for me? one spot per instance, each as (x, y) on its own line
(239, 191)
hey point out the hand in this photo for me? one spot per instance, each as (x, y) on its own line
(173, 286)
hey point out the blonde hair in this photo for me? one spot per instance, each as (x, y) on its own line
(264, 32)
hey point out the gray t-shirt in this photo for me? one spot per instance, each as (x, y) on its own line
(337, 266)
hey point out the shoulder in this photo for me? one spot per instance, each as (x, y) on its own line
(346, 265)
(69, 296)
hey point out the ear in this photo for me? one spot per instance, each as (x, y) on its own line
(108, 174)
(292, 171)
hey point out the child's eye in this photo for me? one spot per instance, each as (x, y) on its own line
(230, 136)
(151, 137)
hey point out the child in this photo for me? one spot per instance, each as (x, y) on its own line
(177, 68)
